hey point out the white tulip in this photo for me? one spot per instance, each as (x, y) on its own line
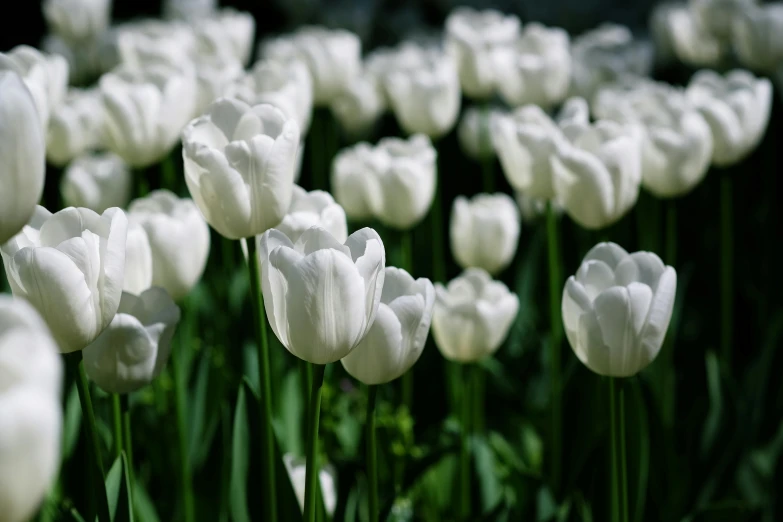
(239, 166)
(97, 182)
(77, 20)
(45, 75)
(525, 142)
(75, 127)
(178, 237)
(22, 149)
(321, 296)
(399, 178)
(737, 108)
(679, 33)
(216, 70)
(476, 38)
(296, 469)
(70, 266)
(423, 90)
(597, 170)
(189, 10)
(232, 28)
(531, 209)
(484, 231)
(718, 16)
(135, 347)
(757, 36)
(84, 64)
(397, 337)
(315, 208)
(138, 260)
(145, 112)
(472, 316)
(617, 309)
(360, 105)
(146, 43)
(332, 55)
(31, 376)
(537, 68)
(475, 132)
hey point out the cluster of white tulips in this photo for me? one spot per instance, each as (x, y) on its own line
(577, 126)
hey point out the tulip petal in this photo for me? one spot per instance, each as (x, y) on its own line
(379, 356)
(642, 267)
(660, 313)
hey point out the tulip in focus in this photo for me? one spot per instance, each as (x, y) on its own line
(484, 231)
(31, 377)
(326, 476)
(138, 261)
(97, 182)
(617, 308)
(398, 334)
(321, 296)
(77, 20)
(22, 149)
(239, 166)
(178, 238)
(70, 266)
(134, 348)
(314, 208)
(472, 316)
(75, 127)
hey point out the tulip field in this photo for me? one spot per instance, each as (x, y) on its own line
(368, 261)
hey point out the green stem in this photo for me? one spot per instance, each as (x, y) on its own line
(726, 266)
(185, 479)
(318, 169)
(478, 392)
(465, 444)
(128, 440)
(372, 453)
(168, 173)
(619, 465)
(88, 415)
(264, 372)
(487, 159)
(116, 411)
(555, 289)
(306, 379)
(438, 258)
(311, 470)
(671, 233)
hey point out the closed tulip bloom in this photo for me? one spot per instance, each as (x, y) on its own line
(475, 132)
(75, 127)
(537, 67)
(145, 112)
(315, 208)
(737, 109)
(77, 20)
(134, 348)
(321, 296)
(333, 57)
(397, 337)
(617, 308)
(756, 34)
(138, 260)
(97, 182)
(147, 43)
(484, 231)
(525, 140)
(360, 105)
(22, 149)
(718, 16)
(326, 477)
(532, 209)
(350, 180)
(597, 172)
(30, 396)
(239, 166)
(70, 266)
(236, 29)
(472, 316)
(178, 238)
(476, 38)
(679, 34)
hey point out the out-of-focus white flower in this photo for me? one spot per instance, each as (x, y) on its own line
(475, 132)
(718, 16)
(139, 45)
(476, 38)
(472, 316)
(333, 57)
(737, 109)
(77, 20)
(239, 166)
(22, 149)
(617, 308)
(679, 33)
(537, 68)
(75, 127)
(84, 64)
(145, 112)
(31, 376)
(189, 10)
(138, 261)
(607, 54)
(758, 36)
(315, 208)
(484, 231)
(532, 208)
(70, 267)
(359, 106)
(326, 476)
(231, 30)
(96, 181)
(46, 75)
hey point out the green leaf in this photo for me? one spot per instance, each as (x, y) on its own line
(72, 420)
(240, 461)
(144, 508)
(118, 492)
(491, 489)
(712, 424)
(197, 405)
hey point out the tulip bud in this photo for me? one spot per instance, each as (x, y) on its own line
(472, 316)
(397, 337)
(75, 127)
(617, 309)
(476, 38)
(97, 182)
(178, 238)
(475, 134)
(315, 208)
(326, 476)
(22, 149)
(484, 231)
(30, 396)
(755, 36)
(135, 347)
(70, 267)
(360, 105)
(145, 112)
(239, 166)
(138, 261)
(350, 181)
(737, 109)
(321, 296)
(679, 33)
(77, 20)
